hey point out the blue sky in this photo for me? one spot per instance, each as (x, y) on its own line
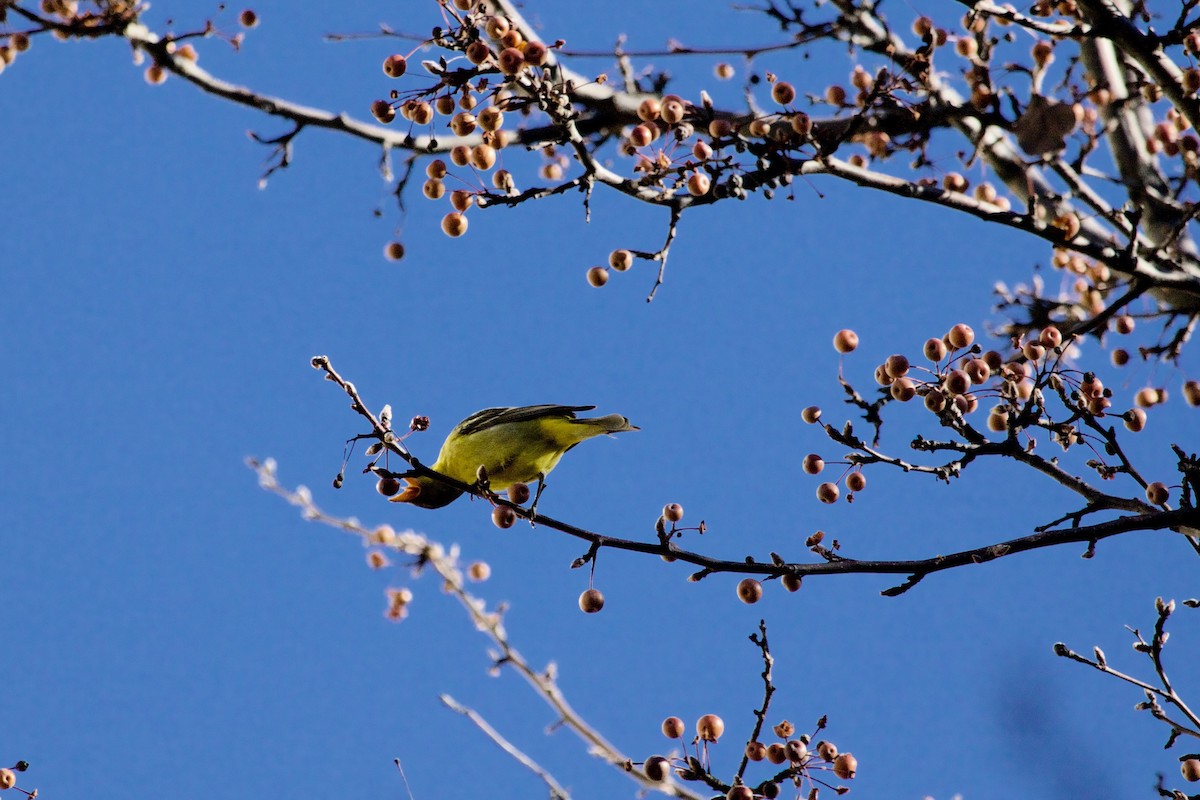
(171, 629)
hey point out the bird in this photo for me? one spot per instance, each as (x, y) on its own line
(513, 444)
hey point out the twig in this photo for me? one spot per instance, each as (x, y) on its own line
(556, 789)
(1153, 520)
(1153, 650)
(760, 714)
(661, 255)
(490, 623)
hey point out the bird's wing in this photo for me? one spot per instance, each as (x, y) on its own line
(488, 417)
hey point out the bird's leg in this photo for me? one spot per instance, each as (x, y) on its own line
(541, 479)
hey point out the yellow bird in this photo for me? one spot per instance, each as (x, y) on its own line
(514, 445)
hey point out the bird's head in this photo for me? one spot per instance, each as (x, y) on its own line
(426, 492)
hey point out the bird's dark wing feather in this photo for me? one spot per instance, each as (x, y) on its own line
(488, 417)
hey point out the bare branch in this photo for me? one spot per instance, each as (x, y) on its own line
(556, 790)
(488, 622)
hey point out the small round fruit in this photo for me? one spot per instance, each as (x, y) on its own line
(535, 53)
(642, 135)
(248, 18)
(502, 179)
(388, 486)
(756, 751)
(1135, 419)
(620, 260)
(1191, 393)
(739, 792)
(749, 591)
(856, 481)
(813, 464)
(591, 601)
(776, 753)
(463, 123)
(673, 512)
(434, 189)
(597, 276)
(811, 414)
(483, 156)
(957, 381)
(955, 182)
(478, 52)
(672, 110)
(512, 60)
(801, 124)
(698, 184)
(977, 370)
(657, 768)
(8, 779)
(783, 93)
(828, 493)
(845, 766)
(960, 336)
(479, 571)
(1190, 769)
(1147, 396)
(1098, 405)
(845, 341)
(395, 65)
(497, 26)
(797, 751)
(1157, 494)
(491, 118)
(393, 251)
(935, 349)
(649, 109)
(903, 389)
(710, 727)
(896, 366)
(518, 493)
(1050, 336)
(503, 517)
(673, 728)
(791, 582)
(454, 224)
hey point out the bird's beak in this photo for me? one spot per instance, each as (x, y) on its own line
(409, 494)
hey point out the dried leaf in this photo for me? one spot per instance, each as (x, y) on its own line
(1044, 126)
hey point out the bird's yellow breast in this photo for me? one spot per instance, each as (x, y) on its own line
(511, 452)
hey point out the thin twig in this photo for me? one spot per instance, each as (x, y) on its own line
(556, 789)
(488, 622)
